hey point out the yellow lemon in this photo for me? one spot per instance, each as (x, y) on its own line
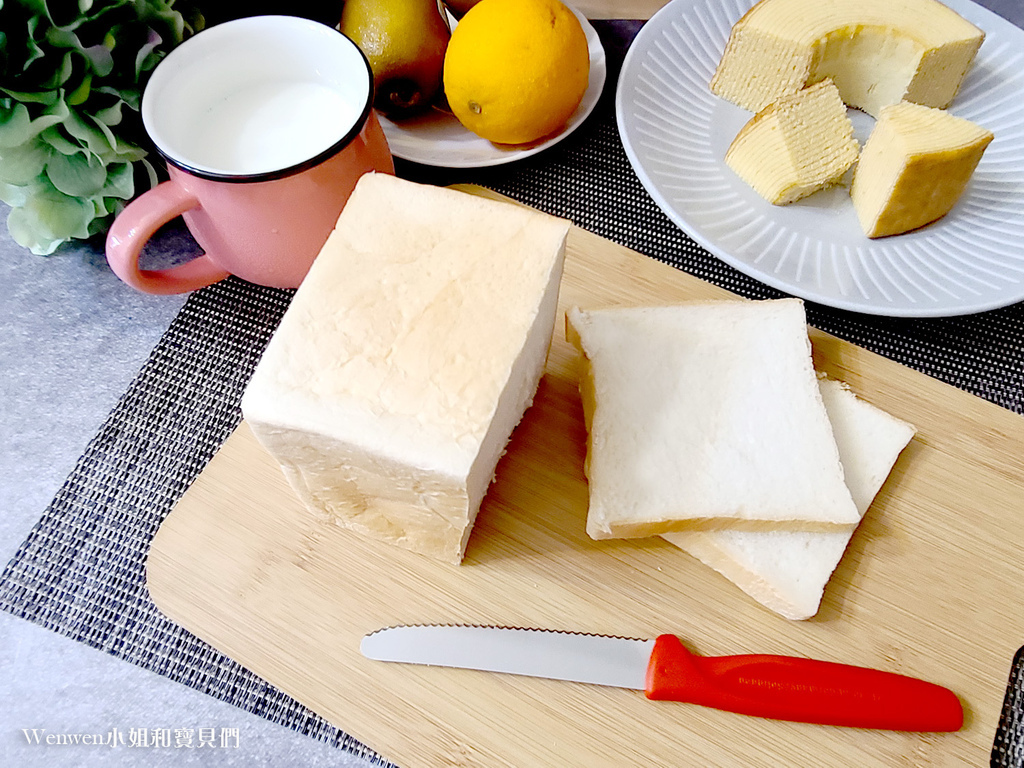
(515, 70)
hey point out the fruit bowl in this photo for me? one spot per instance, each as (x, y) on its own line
(437, 138)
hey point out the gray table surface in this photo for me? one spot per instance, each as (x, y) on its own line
(72, 337)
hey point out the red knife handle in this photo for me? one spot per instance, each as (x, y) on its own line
(805, 690)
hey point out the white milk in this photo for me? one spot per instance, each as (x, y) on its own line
(267, 126)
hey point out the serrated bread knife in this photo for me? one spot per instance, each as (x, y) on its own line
(776, 687)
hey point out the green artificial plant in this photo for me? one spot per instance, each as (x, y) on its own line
(72, 146)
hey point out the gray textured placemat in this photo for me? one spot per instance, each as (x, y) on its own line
(1008, 748)
(80, 572)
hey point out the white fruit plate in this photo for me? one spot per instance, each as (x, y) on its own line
(676, 132)
(437, 138)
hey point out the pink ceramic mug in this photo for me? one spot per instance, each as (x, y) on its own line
(266, 124)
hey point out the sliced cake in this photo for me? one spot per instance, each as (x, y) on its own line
(914, 167)
(795, 146)
(877, 52)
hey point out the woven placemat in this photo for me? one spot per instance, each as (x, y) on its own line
(80, 572)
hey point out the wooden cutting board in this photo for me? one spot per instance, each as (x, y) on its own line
(931, 584)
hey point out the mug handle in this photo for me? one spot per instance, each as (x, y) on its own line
(137, 223)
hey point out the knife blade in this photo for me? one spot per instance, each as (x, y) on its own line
(760, 685)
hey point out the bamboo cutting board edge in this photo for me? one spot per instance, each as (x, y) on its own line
(239, 564)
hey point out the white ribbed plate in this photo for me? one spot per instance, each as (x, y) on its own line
(676, 132)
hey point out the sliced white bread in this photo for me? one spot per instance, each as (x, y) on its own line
(787, 571)
(705, 415)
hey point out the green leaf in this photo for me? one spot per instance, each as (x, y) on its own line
(96, 56)
(91, 136)
(26, 231)
(56, 139)
(151, 173)
(24, 162)
(76, 175)
(146, 59)
(100, 60)
(103, 221)
(81, 93)
(62, 73)
(49, 98)
(158, 10)
(100, 206)
(121, 148)
(15, 195)
(62, 38)
(130, 96)
(16, 127)
(35, 51)
(73, 74)
(111, 116)
(48, 219)
(120, 181)
(62, 13)
(118, 149)
(38, 7)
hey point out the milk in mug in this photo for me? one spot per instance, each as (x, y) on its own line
(267, 126)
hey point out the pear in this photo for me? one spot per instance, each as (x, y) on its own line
(405, 42)
(459, 8)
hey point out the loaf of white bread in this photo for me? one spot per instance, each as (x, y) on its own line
(877, 52)
(703, 417)
(787, 571)
(706, 415)
(407, 357)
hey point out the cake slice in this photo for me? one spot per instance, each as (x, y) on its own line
(877, 52)
(787, 571)
(915, 166)
(795, 146)
(705, 415)
(406, 358)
